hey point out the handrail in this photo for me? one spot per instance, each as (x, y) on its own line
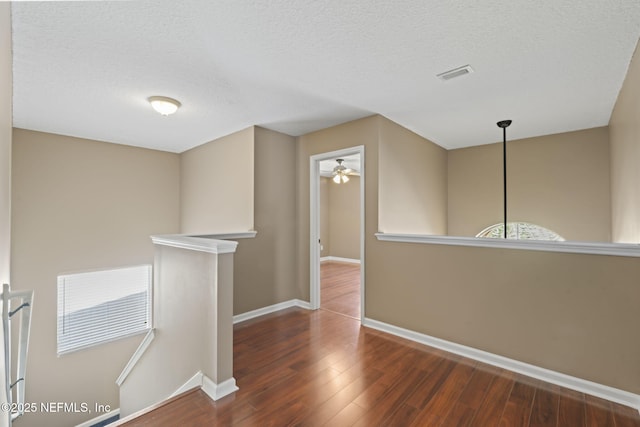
(146, 342)
(24, 309)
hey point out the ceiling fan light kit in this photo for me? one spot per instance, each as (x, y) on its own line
(340, 179)
(340, 172)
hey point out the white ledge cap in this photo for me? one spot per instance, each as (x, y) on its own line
(229, 236)
(202, 244)
(613, 249)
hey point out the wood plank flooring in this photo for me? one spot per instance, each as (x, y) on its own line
(320, 368)
(340, 288)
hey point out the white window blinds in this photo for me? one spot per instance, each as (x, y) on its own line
(101, 306)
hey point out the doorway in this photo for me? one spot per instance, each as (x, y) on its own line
(337, 265)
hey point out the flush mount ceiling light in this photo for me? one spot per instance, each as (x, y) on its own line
(340, 172)
(456, 72)
(164, 105)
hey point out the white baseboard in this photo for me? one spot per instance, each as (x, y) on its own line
(340, 259)
(599, 390)
(605, 392)
(217, 391)
(213, 390)
(270, 309)
(100, 418)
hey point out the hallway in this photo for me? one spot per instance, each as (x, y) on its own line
(318, 368)
(340, 288)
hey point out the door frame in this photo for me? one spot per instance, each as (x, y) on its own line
(314, 221)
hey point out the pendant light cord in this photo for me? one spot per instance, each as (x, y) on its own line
(504, 176)
(504, 124)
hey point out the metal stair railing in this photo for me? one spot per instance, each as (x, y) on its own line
(24, 301)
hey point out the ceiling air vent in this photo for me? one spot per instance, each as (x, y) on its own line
(456, 72)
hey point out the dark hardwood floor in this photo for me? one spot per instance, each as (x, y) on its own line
(315, 368)
(340, 288)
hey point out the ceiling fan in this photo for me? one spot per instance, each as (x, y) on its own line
(340, 172)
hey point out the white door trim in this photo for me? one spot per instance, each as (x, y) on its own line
(314, 220)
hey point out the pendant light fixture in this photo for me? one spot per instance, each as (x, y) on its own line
(504, 124)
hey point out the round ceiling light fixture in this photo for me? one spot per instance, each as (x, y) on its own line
(164, 105)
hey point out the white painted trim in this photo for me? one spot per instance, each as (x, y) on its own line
(340, 259)
(574, 383)
(362, 233)
(100, 418)
(193, 382)
(213, 390)
(198, 380)
(314, 223)
(196, 243)
(217, 391)
(593, 248)
(146, 342)
(270, 309)
(314, 232)
(229, 236)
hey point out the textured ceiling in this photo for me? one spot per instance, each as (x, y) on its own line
(86, 68)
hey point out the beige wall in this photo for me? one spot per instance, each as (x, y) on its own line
(571, 313)
(567, 312)
(6, 89)
(359, 132)
(344, 218)
(413, 182)
(265, 267)
(217, 185)
(560, 182)
(192, 291)
(340, 218)
(81, 205)
(474, 189)
(624, 132)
